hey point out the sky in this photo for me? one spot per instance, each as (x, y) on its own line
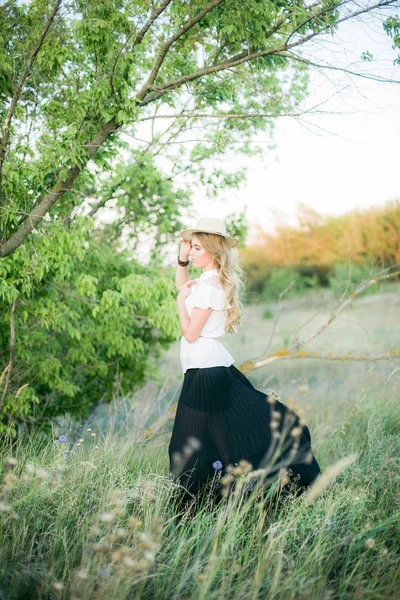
(336, 162)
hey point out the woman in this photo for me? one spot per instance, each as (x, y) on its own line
(223, 425)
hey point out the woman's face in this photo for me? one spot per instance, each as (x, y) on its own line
(199, 255)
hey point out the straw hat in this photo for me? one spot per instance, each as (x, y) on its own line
(207, 225)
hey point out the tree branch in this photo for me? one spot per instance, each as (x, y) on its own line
(165, 47)
(12, 354)
(294, 352)
(144, 98)
(56, 192)
(279, 354)
(24, 76)
(306, 61)
(247, 56)
(155, 13)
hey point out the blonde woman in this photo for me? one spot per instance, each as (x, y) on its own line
(221, 419)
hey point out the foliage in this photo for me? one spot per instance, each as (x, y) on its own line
(88, 319)
(280, 279)
(85, 91)
(349, 276)
(268, 314)
(324, 241)
(322, 250)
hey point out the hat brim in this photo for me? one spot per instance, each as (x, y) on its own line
(188, 234)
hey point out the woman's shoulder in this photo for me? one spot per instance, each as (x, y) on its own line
(213, 281)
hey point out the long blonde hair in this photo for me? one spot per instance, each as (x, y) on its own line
(230, 274)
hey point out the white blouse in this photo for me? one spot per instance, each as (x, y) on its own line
(207, 350)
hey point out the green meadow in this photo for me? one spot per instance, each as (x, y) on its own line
(90, 513)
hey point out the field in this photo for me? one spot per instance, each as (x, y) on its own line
(89, 516)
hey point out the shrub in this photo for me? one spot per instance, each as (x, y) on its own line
(352, 275)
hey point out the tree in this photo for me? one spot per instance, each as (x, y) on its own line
(77, 81)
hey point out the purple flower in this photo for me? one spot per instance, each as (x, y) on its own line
(217, 465)
(62, 439)
(347, 539)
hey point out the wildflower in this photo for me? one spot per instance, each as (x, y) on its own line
(194, 443)
(104, 573)
(10, 478)
(107, 517)
(57, 585)
(93, 434)
(81, 440)
(10, 462)
(331, 525)
(41, 473)
(370, 543)
(291, 402)
(309, 458)
(245, 465)
(217, 465)
(117, 555)
(132, 522)
(4, 507)
(347, 539)
(62, 439)
(149, 555)
(283, 477)
(88, 429)
(94, 531)
(128, 561)
(187, 451)
(296, 432)
(82, 574)
(227, 479)
(303, 389)
(120, 532)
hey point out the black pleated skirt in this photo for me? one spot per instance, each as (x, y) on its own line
(222, 419)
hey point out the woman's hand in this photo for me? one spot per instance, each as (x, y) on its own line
(186, 246)
(184, 290)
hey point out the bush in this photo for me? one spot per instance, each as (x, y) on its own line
(344, 275)
(279, 280)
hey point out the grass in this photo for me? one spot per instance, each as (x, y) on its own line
(95, 519)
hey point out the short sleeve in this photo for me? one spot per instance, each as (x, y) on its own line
(208, 296)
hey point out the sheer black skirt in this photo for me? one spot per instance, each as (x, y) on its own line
(221, 418)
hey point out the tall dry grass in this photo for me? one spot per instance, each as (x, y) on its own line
(90, 513)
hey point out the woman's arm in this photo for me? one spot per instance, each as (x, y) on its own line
(182, 275)
(191, 327)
